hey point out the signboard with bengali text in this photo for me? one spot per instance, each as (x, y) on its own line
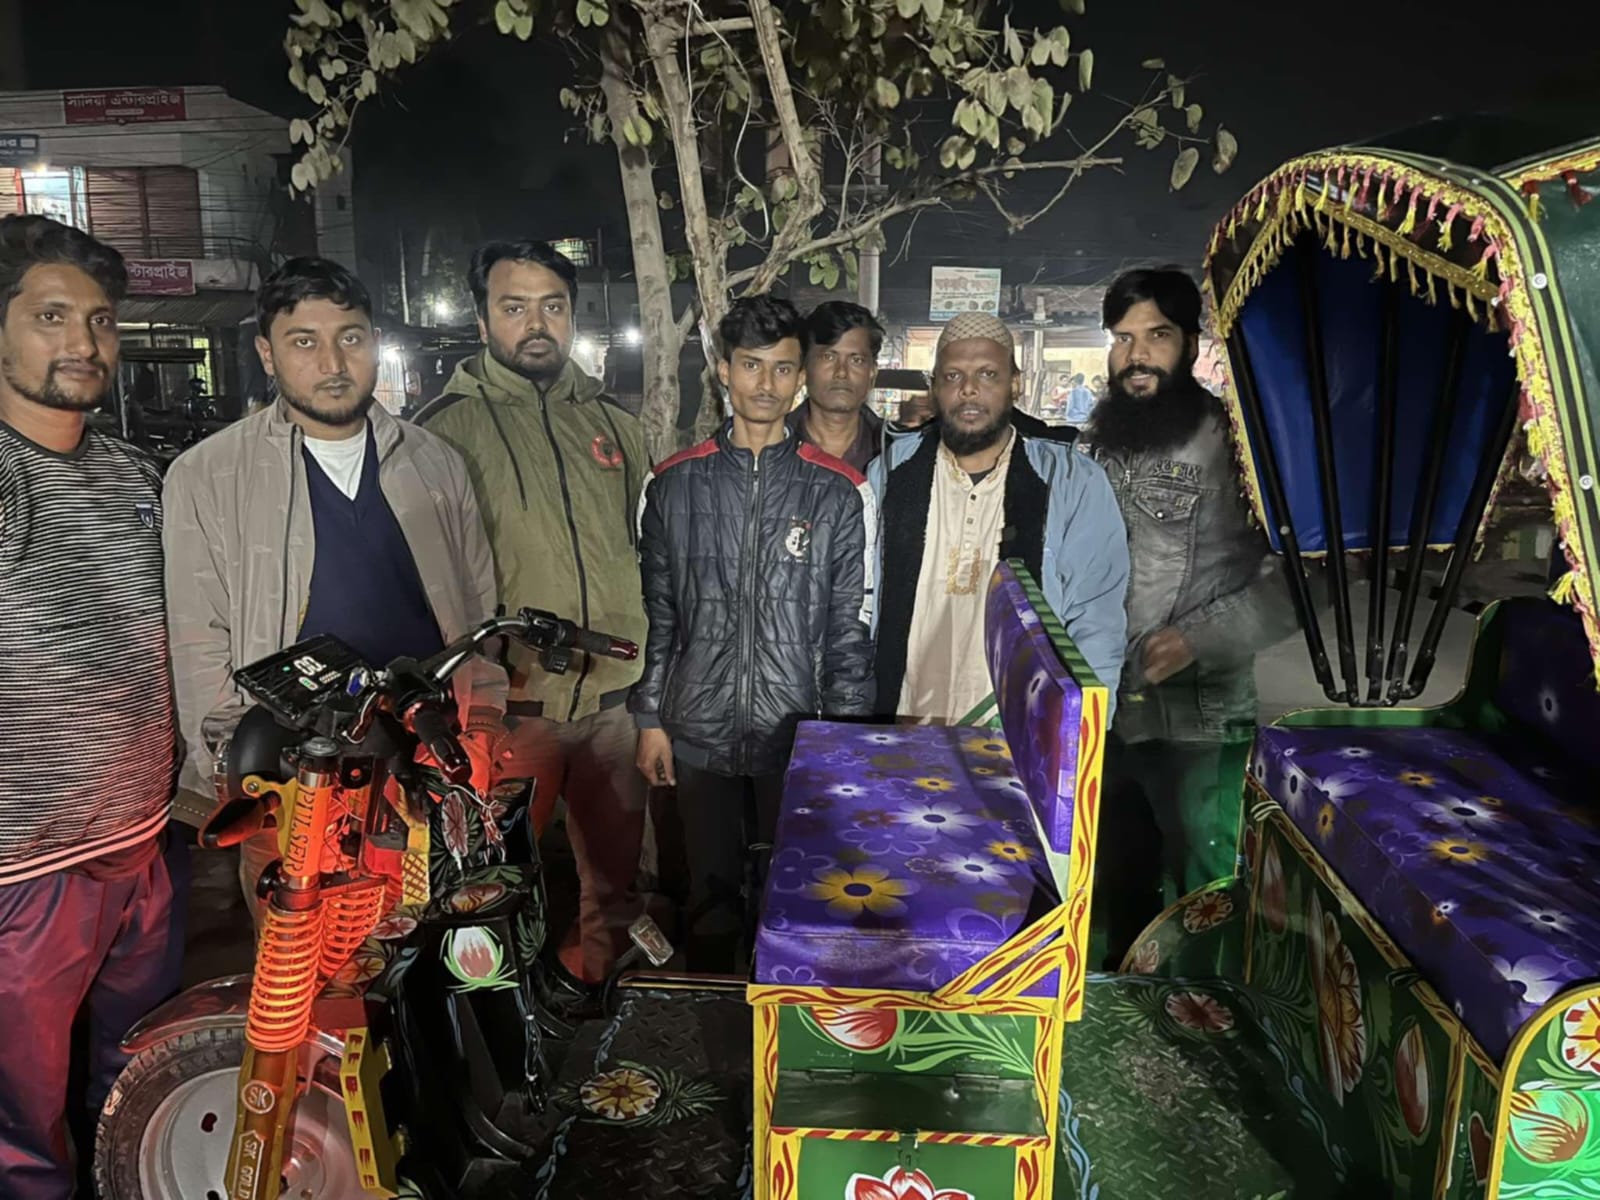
(957, 290)
(122, 106)
(160, 277)
(19, 149)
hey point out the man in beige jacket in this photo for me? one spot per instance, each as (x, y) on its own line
(320, 514)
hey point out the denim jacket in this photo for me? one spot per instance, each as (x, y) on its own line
(1199, 565)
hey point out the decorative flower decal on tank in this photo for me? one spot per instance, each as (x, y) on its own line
(860, 1029)
(476, 958)
(900, 1184)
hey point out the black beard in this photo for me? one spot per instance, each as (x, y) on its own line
(1127, 424)
(50, 395)
(510, 361)
(962, 442)
(328, 416)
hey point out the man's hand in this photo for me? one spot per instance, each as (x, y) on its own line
(1166, 652)
(654, 758)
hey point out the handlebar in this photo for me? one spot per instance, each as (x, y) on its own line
(417, 686)
(533, 627)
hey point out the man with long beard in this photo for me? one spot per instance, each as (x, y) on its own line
(968, 491)
(320, 514)
(1204, 598)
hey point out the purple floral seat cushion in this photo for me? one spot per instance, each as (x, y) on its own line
(1478, 854)
(1039, 702)
(904, 856)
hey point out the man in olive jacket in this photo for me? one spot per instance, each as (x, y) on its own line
(1203, 599)
(558, 466)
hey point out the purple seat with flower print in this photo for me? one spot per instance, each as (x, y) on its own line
(904, 854)
(1479, 845)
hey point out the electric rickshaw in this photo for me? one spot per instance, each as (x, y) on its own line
(1396, 992)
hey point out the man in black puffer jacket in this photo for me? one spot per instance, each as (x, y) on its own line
(756, 552)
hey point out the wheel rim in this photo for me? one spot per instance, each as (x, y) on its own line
(183, 1154)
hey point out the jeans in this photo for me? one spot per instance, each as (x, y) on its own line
(712, 809)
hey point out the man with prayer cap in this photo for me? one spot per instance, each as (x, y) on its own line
(967, 491)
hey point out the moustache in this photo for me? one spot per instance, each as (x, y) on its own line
(537, 339)
(1155, 373)
(78, 364)
(333, 382)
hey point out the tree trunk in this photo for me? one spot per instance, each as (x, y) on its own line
(657, 322)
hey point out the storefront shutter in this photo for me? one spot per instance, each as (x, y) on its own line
(116, 210)
(172, 204)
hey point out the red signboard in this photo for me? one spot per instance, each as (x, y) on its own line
(121, 106)
(160, 277)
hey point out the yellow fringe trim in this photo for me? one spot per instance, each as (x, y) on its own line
(1582, 161)
(1565, 587)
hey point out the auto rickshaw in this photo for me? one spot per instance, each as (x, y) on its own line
(1397, 991)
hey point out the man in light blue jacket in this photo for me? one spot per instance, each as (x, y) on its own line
(966, 492)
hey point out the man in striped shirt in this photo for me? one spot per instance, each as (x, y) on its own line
(87, 739)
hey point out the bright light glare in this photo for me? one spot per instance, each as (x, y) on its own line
(443, 310)
(391, 354)
(584, 346)
(632, 336)
(41, 168)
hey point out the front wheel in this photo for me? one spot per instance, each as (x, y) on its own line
(167, 1127)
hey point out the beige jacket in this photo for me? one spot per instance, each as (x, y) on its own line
(239, 550)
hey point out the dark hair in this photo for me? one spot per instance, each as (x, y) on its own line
(832, 319)
(523, 250)
(761, 321)
(1171, 288)
(308, 278)
(33, 241)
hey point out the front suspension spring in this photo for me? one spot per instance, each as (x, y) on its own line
(350, 917)
(285, 982)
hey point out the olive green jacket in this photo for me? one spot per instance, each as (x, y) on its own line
(558, 473)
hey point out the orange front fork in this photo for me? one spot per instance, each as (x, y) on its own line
(285, 984)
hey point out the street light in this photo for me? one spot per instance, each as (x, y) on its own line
(584, 346)
(443, 310)
(632, 335)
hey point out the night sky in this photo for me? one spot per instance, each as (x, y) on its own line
(475, 131)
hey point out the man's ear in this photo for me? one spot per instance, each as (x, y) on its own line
(264, 352)
(1191, 347)
(722, 371)
(483, 330)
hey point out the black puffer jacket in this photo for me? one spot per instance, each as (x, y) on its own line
(758, 584)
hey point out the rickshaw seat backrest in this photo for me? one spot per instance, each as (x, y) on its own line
(1545, 680)
(1040, 700)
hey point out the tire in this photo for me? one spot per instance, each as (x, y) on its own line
(167, 1127)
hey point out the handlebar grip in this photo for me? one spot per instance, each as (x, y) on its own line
(432, 728)
(591, 642)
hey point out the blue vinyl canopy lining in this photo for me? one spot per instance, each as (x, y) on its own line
(1350, 307)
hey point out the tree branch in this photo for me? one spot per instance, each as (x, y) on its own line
(809, 202)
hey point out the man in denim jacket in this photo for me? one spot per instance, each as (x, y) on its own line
(1203, 599)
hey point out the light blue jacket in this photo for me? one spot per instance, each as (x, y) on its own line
(1082, 544)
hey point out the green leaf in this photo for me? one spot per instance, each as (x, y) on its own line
(1194, 115)
(1015, 145)
(1041, 52)
(598, 126)
(1075, 7)
(316, 90)
(504, 18)
(933, 9)
(885, 92)
(1227, 150)
(908, 8)
(950, 150)
(1013, 43)
(524, 27)
(1085, 70)
(300, 176)
(1183, 166)
(300, 131)
(967, 157)
(1154, 64)
(665, 200)
(969, 117)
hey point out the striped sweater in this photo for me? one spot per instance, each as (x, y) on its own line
(87, 744)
